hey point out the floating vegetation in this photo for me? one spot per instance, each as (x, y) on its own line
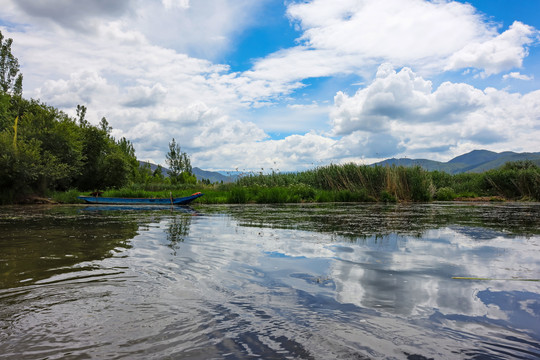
(491, 279)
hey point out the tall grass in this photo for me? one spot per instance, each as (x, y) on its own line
(362, 182)
(519, 180)
(353, 183)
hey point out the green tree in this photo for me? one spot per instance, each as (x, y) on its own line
(158, 174)
(10, 78)
(48, 150)
(180, 170)
(126, 148)
(81, 114)
(107, 163)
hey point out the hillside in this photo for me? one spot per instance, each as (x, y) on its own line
(475, 161)
(200, 174)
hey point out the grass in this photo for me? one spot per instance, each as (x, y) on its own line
(65, 197)
(350, 183)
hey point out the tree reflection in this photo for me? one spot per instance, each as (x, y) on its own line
(36, 245)
(177, 230)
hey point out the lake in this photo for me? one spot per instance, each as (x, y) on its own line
(303, 281)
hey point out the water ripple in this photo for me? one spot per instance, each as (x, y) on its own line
(174, 285)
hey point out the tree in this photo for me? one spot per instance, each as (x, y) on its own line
(81, 114)
(10, 78)
(158, 174)
(179, 163)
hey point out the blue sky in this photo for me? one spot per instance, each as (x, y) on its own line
(289, 84)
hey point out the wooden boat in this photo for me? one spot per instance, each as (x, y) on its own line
(140, 201)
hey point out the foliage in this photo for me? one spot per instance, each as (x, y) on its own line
(180, 170)
(238, 195)
(445, 194)
(65, 197)
(361, 182)
(52, 151)
(10, 78)
(353, 184)
(520, 180)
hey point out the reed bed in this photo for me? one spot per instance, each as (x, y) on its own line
(368, 183)
(352, 183)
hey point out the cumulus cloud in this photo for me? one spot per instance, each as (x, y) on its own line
(81, 88)
(295, 152)
(400, 111)
(145, 67)
(352, 36)
(517, 75)
(201, 28)
(403, 96)
(143, 96)
(79, 15)
(503, 52)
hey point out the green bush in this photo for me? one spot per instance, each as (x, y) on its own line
(445, 194)
(387, 197)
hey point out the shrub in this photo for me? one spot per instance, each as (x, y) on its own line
(445, 194)
(387, 197)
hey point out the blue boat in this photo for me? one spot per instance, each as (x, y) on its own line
(140, 201)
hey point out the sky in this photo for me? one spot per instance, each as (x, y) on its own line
(289, 85)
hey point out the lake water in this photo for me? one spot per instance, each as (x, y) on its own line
(332, 281)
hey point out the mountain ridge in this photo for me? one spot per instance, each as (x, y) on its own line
(199, 173)
(475, 161)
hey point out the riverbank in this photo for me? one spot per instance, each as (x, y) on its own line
(258, 196)
(518, 181)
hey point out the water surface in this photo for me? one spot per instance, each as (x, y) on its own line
(348, 281)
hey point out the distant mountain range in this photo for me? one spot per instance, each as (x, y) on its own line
(200, 174)
(475, 161)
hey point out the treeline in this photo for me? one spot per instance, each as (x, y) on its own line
(42, 149)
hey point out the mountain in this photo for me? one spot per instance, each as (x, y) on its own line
(200, 174)
(475, 161)
(213, 176)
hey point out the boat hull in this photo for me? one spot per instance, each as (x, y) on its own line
(139, 201)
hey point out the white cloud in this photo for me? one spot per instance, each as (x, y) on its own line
(135, 63)
(403, 96)
(201, 28)
(81, 16)
(295, 152)
(395, 30)
(399, 111)
(82, 88)
(517, 75)
(353, 36)
(504, 52)
(169, 4)
(143, 96)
